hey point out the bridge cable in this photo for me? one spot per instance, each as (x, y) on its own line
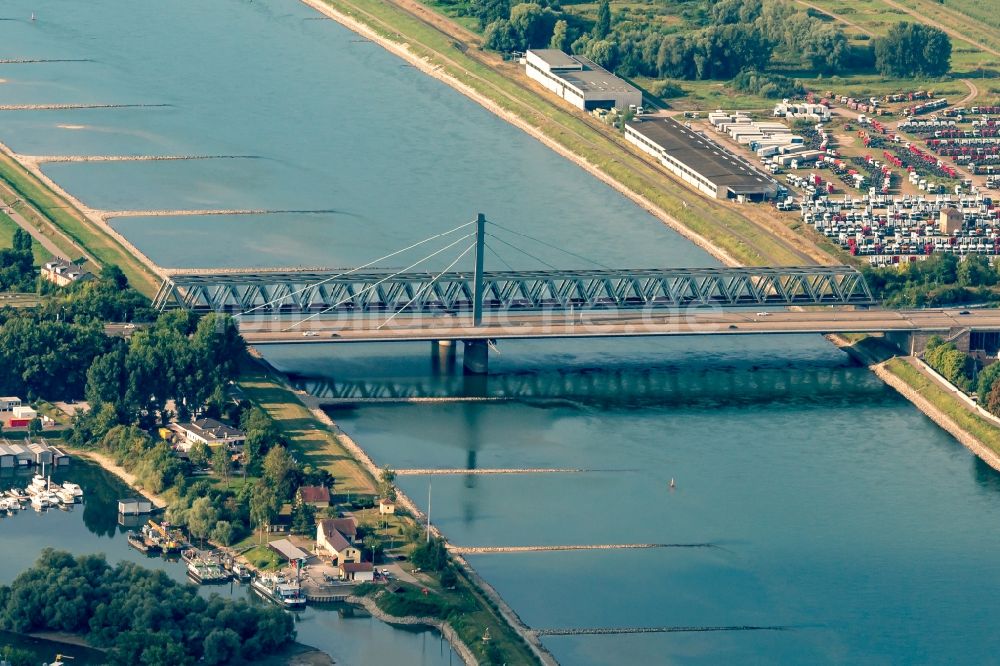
(541, 261)
(497, 255)
(376, 284)
(555, 247)
(426, 286)
(354, 270)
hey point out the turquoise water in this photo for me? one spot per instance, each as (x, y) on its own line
(830, 506)
(93, 527)
(335, 124)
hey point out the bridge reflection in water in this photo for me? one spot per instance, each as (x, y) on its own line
(624, 386)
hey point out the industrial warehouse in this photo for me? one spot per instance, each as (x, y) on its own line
(581, 82)
(698, 161)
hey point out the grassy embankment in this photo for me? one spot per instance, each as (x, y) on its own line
(470, 613)
(7, 229)
(310, 441)
(61, 218)
(720, 224)
(975, 425)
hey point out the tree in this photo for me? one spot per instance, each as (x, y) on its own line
(385, 483)
(372, 544)
(221, 646)
(602, 28)
(35, 427)
(993, 400)
(976, 271)
(501, 37)
(913, 49)
(448, 578)
(987, 378)
(202, 517)
(223, 532)
(532, 24)
(221, 462)
(198, 454)
(303, 518)
(488, 11)
(560, 36)
(264, 505)
(277, 466)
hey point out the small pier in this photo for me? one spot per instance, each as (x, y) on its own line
(480, 550)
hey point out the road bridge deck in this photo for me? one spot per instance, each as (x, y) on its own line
(625, 324)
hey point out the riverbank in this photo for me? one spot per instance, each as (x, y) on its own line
(724, 233)
(906, 376)
(507, 620)
(46, 203)
(109, 465)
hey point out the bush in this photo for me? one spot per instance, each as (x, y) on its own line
(772, 86)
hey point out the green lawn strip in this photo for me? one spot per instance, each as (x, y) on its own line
(7, 229)
(311, 441)
(977, 426)
(71, 222)
(739, 237)
(263, 558)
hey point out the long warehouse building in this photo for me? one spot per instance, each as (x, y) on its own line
(581, 82)
(699, 161)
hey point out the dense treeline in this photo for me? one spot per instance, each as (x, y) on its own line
(939, 280)
(723, 38)
(139, 616)
(47, 351)
(954, 365)
(913, 49)
(17, 269)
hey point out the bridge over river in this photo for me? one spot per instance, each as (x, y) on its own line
(478, 308)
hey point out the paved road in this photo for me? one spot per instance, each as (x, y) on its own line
(695, 322)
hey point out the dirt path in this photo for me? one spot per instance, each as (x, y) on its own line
(42, 239)
(951, 31)
(973, 92)
(837, 17)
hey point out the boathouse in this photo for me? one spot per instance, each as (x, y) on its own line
(289, 550)
(133, 506)
(357, 571)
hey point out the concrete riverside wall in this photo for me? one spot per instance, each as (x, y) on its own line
(967, 439)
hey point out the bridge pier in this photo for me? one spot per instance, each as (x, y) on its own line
(476, 357)
(443, 357)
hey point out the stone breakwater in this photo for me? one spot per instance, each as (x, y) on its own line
(43, 159)
(109, 214)
(411, 620)
(508, 613)
(527, 470)
(62, 107)
(601, 631)
(481, 550)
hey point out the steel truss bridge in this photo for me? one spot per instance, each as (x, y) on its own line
(384, 292)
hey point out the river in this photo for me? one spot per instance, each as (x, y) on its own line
(838, 519)
(348, 636)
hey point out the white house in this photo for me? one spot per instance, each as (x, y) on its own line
(9, 403)
(331, 542)
(24, 412)
(211, 433)
(386, 507)
(63, 272)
